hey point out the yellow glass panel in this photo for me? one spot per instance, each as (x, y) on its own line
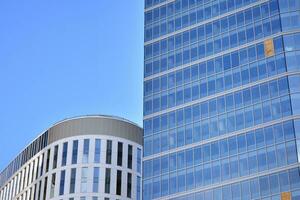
(269, 48)
(286, 196)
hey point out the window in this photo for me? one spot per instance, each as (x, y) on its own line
(45, 188)
(107, 180)
(47, 160)
(119, 182)
(39, 191)
(62, 182)
(37, 168)
(97, 150)
(86, 146)
(64, 154)
(53, 179)
(290, 21)
(96, 179)
(147, 168)
(28, 174)
(75, 152)
(148, 146)
(84, 179)
(181, 180)
(262, 160)
(32, 171)
(34, 192)
(129, 158)
(139, 160)
(129, 185)
(291, 151)
(120, 153)
(55, 157)
(138, 188)
(20, 181)
(72, 180)
(108, 151)
(294, 178)
(24, 177)
(236, 191)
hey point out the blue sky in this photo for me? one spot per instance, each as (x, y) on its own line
(63, 58)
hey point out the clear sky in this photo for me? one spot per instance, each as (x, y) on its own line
(63, 58)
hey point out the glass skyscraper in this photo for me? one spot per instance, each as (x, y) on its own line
(222, 99)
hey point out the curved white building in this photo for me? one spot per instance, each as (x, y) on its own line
(84, 158)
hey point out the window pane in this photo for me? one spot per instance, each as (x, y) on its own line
(86, 146)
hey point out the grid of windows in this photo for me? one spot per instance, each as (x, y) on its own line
(201, 42)
(221, 65)
(149, 3)
(191, 83)
(221, 98)
(36, 146)
(23, 184)
(241, 155)
(223, 115)
(290, 16)
(247, 20)
(228, 159)
(180, 87)
(192, 17)
(266, 187)
(168, 10)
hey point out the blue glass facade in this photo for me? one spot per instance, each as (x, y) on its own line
(221, 99)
